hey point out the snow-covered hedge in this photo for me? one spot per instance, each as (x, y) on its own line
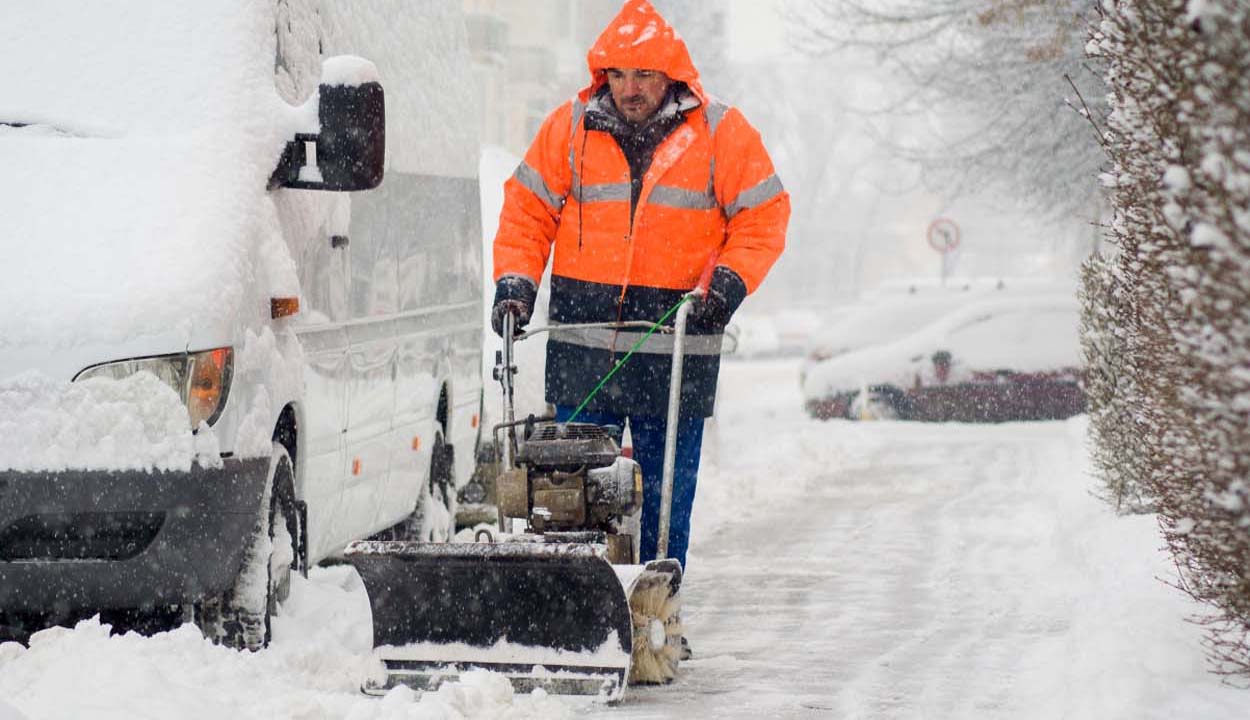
(1167, 316)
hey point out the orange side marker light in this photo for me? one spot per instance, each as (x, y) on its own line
(281, 307)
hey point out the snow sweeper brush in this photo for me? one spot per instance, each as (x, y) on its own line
(563, 605)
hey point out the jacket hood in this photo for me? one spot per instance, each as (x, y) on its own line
(639, 37)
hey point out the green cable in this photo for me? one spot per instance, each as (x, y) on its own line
(628, 355)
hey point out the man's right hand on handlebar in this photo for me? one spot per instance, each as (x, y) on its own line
(513, 294)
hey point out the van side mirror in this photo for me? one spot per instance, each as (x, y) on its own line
(350, 151)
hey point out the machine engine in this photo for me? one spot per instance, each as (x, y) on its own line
(571, 477)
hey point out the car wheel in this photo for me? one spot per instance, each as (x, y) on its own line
(240, 617)
(880, 403)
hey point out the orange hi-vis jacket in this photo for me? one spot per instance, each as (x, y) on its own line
(709, 195)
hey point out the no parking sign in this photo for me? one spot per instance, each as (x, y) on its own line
(943, 235)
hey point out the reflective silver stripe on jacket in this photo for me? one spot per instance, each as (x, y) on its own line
(533, 181)
(579, 109)
(676, 197)
(715, 113)
(768, 189)
(603, 192)
(666, 195)
(657, 344)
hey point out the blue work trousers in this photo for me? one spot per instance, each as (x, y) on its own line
(648, 439)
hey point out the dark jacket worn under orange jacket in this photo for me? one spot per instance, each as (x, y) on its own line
(709, 194)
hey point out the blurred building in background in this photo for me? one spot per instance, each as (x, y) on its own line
(527, 58)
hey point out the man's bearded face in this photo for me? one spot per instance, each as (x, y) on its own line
(637, 93)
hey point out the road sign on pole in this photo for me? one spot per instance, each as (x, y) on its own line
(943, 236)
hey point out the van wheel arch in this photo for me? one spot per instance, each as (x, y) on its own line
(286, 432)
(442, 416)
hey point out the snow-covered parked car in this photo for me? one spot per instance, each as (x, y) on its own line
(906, 306)
(991, 361)
(240, 303)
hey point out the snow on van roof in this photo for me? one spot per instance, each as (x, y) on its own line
(136, 141)
(140, 69)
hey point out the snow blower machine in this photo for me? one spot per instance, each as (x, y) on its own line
(562, 605)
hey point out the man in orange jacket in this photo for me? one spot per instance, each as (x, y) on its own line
(640, 182)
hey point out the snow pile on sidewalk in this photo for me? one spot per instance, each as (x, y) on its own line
(975, 573)
(1114, 641)
(313, 669)
(101, 423)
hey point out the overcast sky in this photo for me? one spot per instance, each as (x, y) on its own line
(755, 29)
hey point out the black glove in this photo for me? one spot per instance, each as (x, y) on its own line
(724, 294)
(513, 294)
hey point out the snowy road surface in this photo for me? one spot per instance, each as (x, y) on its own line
(842, 570)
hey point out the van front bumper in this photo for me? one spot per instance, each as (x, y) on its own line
(96, 540)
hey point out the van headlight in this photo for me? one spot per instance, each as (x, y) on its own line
(201, 379)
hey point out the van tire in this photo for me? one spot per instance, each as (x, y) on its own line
(240, 617)
(443, 488)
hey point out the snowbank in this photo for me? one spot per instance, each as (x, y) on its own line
(1021, 594)
(313, 670)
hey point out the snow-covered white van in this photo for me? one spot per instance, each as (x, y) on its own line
(240, 297)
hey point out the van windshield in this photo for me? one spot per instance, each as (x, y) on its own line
(144, 67)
